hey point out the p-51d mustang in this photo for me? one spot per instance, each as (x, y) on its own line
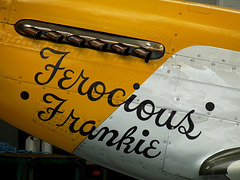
(147, 88)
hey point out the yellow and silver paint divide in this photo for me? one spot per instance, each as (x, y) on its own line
(175, 116)
(82, 75)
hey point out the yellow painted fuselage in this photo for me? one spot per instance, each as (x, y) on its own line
(61, 93)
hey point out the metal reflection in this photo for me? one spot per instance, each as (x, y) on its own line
(54, 36)
(76, 40)
(219, 162)
(98, 44)
(127, 46)
(33, 32)
(120, 49)
(142, 53)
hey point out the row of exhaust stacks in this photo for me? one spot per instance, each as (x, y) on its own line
(89, 42)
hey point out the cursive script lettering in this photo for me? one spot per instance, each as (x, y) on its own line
(95, 91)
(141, 111)
(126, 140)
(97, 88)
